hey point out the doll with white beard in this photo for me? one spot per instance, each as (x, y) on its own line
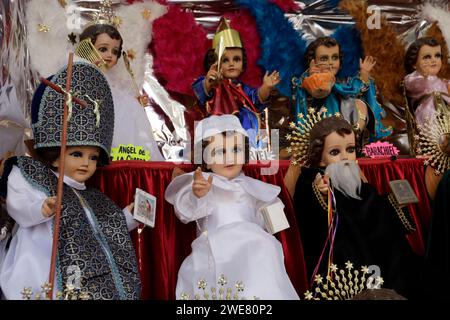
(365, 227)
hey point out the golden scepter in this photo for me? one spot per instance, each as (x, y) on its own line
(133, 80)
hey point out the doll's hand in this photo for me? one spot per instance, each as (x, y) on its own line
(130, 207)
(201, 186)
(271, 80)
(314, 68)
(143, 99)
(212, 78)
(322, 183)
(366, 67)
(48, 207)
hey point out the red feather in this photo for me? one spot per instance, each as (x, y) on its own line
(286, 5)
(178, 47)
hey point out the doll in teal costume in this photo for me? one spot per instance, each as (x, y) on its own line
(353, 97)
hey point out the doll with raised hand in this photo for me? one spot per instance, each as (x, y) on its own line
(226, 205)
(354, 97)
(221, 91)
(429, 93)
(95, 253)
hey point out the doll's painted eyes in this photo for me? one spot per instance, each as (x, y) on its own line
(428, 56)
(351, 150)
(237, 149)
(235, 59)
(105, 49)
(79, 154)
(335, 152)
(334, 57)
(76, 154)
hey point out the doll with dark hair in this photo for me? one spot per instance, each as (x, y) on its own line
(95, 252)
(232, 238)
(221, 91)
(360, 226)
(428, 92)
(354, 97)
(132, 128)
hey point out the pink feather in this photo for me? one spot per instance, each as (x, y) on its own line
(178, 47)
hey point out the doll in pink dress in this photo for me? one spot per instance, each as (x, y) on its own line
(428, 93)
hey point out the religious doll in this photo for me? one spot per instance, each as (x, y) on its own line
(133, 134)
(354, 97)
(428, 92)
(226, 204)
(342, 218)
(221, 91)
(95, 253)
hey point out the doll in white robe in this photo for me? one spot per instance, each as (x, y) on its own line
(131, 125)
(232, 239)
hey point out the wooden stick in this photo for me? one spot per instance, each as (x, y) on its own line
(60, 181)
(58, 89)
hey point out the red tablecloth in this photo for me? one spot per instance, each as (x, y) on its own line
(161, 250)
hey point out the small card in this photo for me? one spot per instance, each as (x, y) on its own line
(274, 217)
(403, 192)
(144, 208)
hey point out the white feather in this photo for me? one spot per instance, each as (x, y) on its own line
(442, 16)
(48, 50)
(137, 35)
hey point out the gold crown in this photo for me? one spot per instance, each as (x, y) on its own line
(230, 37)
(299, 135)
(105, 15)
(434, 141)
(342, 285)
(221, 293)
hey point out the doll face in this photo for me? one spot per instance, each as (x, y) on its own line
(108, 49)
(429, 60)
(80, 162)
(338, 148)
(225, 155)
(232, 63)
(327, 58)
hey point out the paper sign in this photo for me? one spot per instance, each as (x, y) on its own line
(380, 150)
(129, 152)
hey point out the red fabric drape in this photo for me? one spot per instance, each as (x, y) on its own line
(162, 249)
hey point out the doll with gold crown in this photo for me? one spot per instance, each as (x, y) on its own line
(221, 91)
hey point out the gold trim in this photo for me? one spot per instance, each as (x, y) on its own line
(400, 213)
(319, 197)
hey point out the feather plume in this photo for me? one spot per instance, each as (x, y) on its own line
(286, 5)
(136, 32)
(350, 42)
(48, 50)
(282, 48)
(178, 50)
(388, 73)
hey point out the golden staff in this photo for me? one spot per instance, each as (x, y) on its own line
(133, 80)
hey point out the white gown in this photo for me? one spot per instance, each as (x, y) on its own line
(27, 261)
(232, 240)
(131, 125)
